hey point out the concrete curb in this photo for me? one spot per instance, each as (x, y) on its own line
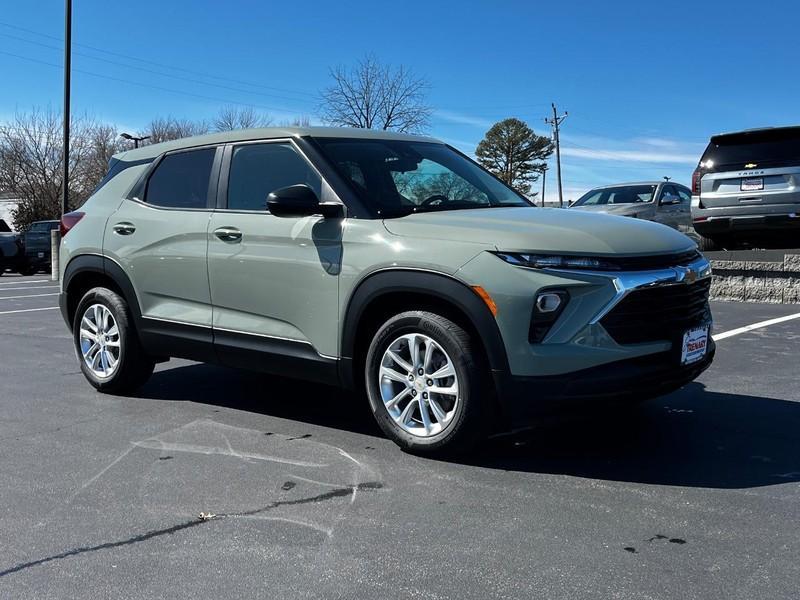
(746, 279)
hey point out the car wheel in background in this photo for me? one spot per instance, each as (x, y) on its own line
(708, 244)
(426, 383)
(107, 345)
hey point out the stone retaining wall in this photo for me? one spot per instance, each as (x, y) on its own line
(756, 280)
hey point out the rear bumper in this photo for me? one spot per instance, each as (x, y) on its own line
(33, 258)
(756, 223)
(527, 399)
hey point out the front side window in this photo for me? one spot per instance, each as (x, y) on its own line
(398, 177)
(181, 180)
(258, 169)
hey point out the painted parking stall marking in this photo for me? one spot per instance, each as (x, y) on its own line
(759, 325)
(25, 310)
(28, 296)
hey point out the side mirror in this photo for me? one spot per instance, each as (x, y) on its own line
(670, 201)
(301, 201)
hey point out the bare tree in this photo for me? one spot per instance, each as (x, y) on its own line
(301, 121)
(236, 117)
(31, 155)
(102, 143)
(372, 95)
(164, 129)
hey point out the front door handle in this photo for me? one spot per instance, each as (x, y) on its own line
(124, 228)
(228, 234)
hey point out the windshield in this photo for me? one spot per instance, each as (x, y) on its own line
(397, 178)
(628, 194)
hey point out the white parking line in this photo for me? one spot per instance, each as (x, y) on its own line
(759, 325)
(30, 287)
(29, 296)
(25, 281)
(24, 310)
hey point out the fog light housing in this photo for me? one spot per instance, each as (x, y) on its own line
(547, 307)
(548, 302)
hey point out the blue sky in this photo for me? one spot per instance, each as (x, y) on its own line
(645, 83)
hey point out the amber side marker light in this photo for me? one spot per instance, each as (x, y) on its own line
(486, 298)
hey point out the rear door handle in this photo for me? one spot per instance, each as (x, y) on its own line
(228, 234)
(124, 228)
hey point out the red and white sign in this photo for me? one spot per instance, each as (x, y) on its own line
(695, 344)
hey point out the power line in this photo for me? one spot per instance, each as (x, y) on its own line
(161, 74)
(146, 85)
(159, 64)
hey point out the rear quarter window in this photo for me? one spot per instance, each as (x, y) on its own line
(181, 180)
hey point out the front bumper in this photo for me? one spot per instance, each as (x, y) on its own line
(527, 399)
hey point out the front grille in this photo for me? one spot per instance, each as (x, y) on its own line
(655, 262)
(659, 313)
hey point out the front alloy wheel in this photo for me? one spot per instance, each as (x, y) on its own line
(426, 383)
(419, 386)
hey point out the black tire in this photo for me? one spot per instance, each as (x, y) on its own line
(708, 244)
(135, 366)
(468, 423)
(26, 270)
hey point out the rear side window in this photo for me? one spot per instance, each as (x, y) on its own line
(767, 148)
(181, 180)
(115, 167)
(258, 169)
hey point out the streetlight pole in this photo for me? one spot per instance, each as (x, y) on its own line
(67, 85)
(134, 139)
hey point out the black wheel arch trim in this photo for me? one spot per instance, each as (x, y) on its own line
(431, 283)
(94, 263)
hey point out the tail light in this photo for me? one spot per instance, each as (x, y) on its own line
(696, 177)
(68, 221)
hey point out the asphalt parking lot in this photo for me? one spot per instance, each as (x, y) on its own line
(693, 495)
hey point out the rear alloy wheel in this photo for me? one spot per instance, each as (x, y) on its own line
(108, 349)
(424, 382)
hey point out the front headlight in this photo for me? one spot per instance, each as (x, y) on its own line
(554, 261)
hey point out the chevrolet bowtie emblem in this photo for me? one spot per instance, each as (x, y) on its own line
(750, 166)
(685, 274)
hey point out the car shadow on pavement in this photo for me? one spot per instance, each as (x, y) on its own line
(263, 394)
(692, 437)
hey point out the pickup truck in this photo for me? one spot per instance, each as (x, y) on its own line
(26, 252)
(36, 247)
(10, 248)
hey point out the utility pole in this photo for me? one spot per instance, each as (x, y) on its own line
(544, 178)
(67, 74)
(556, 123)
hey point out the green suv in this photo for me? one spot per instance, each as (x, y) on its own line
(379, 262)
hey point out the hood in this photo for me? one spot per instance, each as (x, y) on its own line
(550, 230)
